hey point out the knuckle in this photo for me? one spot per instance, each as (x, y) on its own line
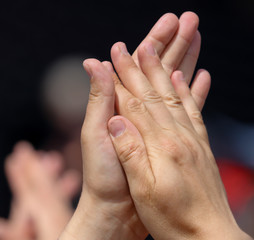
(135, 105)
(95, 96)
(129, 151)
(193, 150)
(169, 144)
(197, 116)
(152, 96)
(172, 147)
(172, 100)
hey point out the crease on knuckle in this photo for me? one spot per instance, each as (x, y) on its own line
(156, 42)
(129, 151)
(172, 100)
(171, 146)
(95, 96)
(185, 41)
(135, 105)
(151, 96)
(197, 116)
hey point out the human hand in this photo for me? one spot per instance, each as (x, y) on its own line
(105, 192)
(178, 45)
(42, 194)
(163, 147)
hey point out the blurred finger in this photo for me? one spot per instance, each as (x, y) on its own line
(70, 183)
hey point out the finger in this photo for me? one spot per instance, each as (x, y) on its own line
(70, 184)
(160, 81)
(14, 173)
(137, 84)
(190, 59)
(99, 158)
(53, 163)
(200, 87)
(189, 104)
(131, 107)
(175, 51)
(161, 33)
(131, 151)
(109, 66)
(12, 231)
(22, 145)
(100, 107)
(6, 232)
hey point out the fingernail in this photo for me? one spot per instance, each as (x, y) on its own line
(88, 70)
(150, 50)
(116, 127)
(123, 49)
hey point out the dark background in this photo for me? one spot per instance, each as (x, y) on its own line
(35, 33)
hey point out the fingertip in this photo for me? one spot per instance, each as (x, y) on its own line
(200, 87)
(204, 75)
(146, 49)
(119, 48)
(168, 18)
(177, 76)
(189, 22)
(116, 126)
(178, 80)
(190, 17)
(109, 66)
(53, 163)
(22, 146)
(116, 46)
(121, 125)
(195, 45)
(89, 65)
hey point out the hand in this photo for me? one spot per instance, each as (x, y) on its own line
(42, 195)
(164, 150)
(106, 208)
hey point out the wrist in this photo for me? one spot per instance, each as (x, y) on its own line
(96, 219)
(226, 232)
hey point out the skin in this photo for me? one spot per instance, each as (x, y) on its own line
(168, 36)
(163, 146)
(32, 175)
(106, 209)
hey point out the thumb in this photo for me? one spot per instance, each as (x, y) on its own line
(100, 107)
(131, 151)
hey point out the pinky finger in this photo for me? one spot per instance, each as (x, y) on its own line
(200, 87)
(189, 103)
